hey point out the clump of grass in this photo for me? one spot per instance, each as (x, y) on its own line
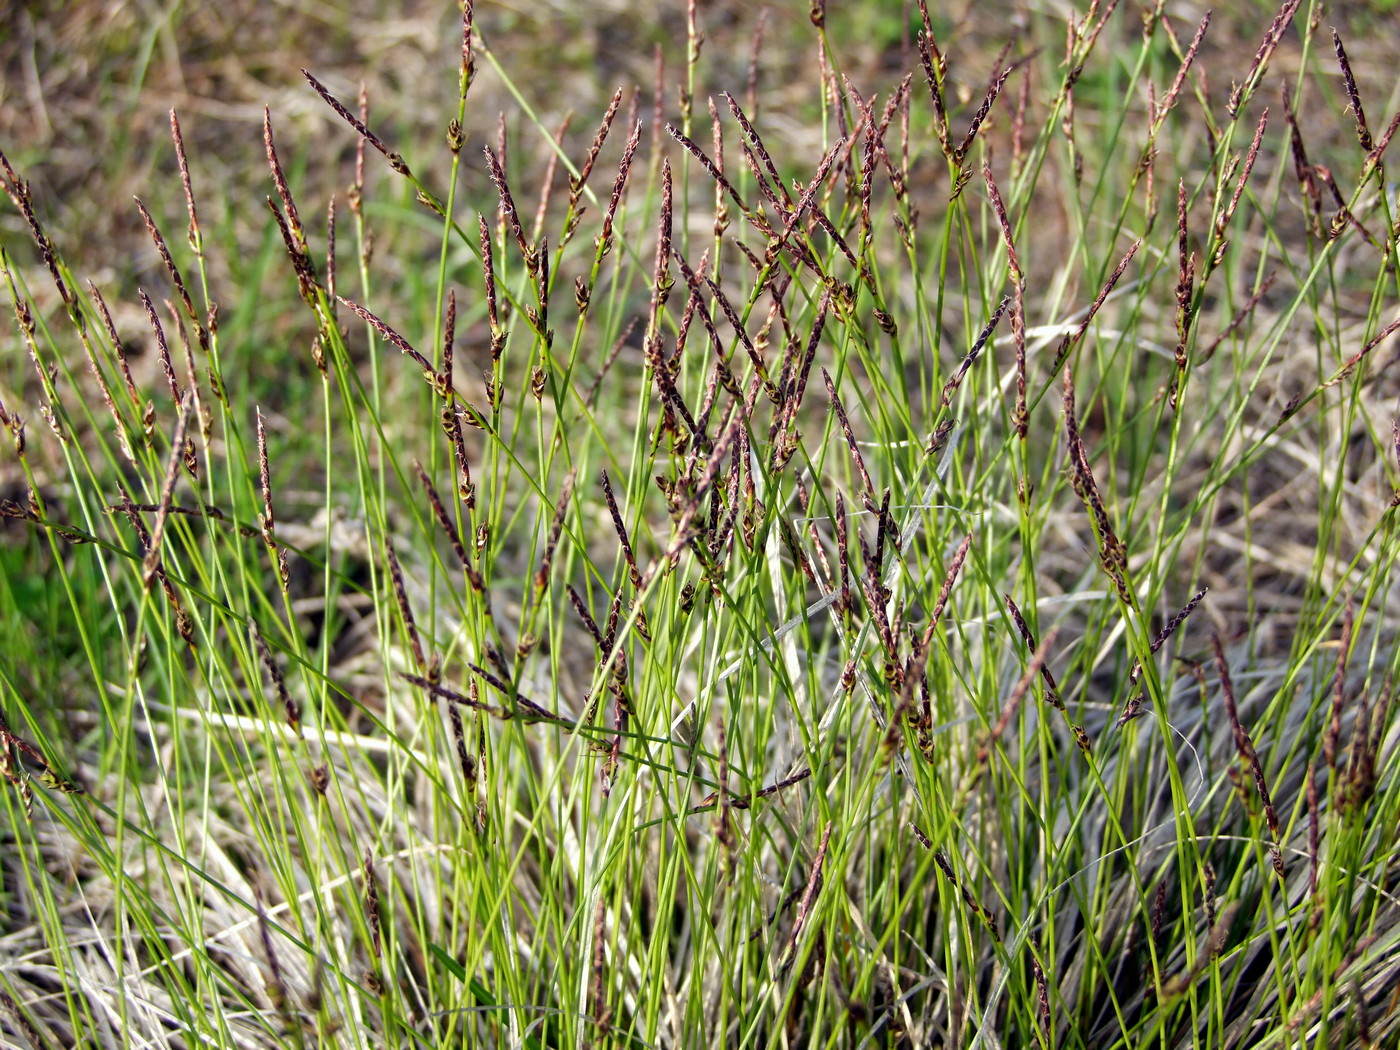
(599, 680)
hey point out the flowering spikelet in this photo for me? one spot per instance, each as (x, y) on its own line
(1249, 757)
(576, 183)
(1272, 36)
(867, 486)
(395, 161)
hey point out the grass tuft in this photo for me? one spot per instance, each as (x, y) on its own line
(601, 681)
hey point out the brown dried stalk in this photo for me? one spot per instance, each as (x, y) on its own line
(597, 985)
(449, 330)
(710, 167)
(868, 493)
(1133, 707)
(49, 772)
(795, 388)
(452, 426)
(732, 316)
(182, 162)
(759, 149)
(115, 340)
(152, 561)
(265, 482)
(808, 201)
(451, 695)
(1344, 215)
(935, 67)
(604, 241)
(1052, 691)
(633, 572)
(1266, 48)
(1034, 666)
(1067, 120)
(289, 705)
(1373, 159)
(918, 661)
(581, 608)
(512, 218)
(722, 448)
(1350, 366)
(1042, 988)
(488, 274)
(395, 161)
(695, 281)
(330, 250)
(547, 182)
(372, 904)
(454, 538)
(671, 397)
(591, 158)
(1228, 213)
(978, 118)
(1215, 944)
(183, 622)
(1169, 99)
(464, 758)
(1159, 911)
(846, 604)
(1208, 891)
(876, 600)
(866, 112)
(1072, 338)
(162, 347)
(401, 597)
(393, 337)
(1245, 747)
(950, 387)
(556, 526)
(1185, 288)
(468, 66)
(661, 275)
(1333, 734)
(938, 440)
(898, 173)
(18, 192)
(279, 179)
(1363, 133)
(745, 801)
(809, 895)
(972, 903)
(538, 315)
(1086, 36)
(1239, 318)
(1176, 621)
(1113, 556)
(1355, 785)
(1301, 167)
(301, 261)
(268, 521)
(206, 423)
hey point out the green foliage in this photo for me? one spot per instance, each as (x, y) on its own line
(946, 599)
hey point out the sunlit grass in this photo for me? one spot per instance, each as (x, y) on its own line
(936, 589)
